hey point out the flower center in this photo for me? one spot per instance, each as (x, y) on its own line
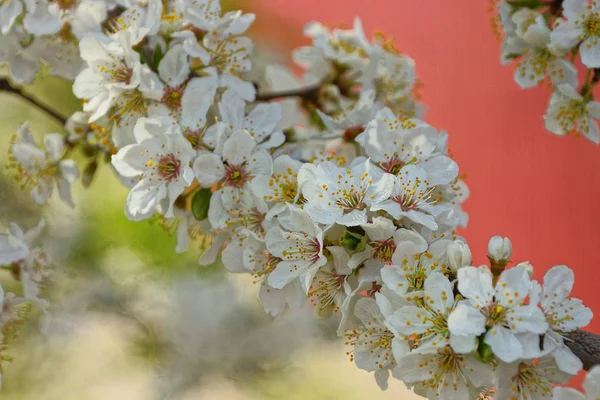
(326, 289)
(169, 167)
(384, 250)
(591, 25)
(172, 98)
(236, 176)
(393, 165)
(413, 197)
(495, 315)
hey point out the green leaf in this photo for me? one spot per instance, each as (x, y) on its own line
(156, 57)
(200, 204)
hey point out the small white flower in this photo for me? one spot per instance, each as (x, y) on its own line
(43, 170)
(281, 187)
(114, 77)
(591, 387)
(9, 11)
(413, 197)
(563, 314)
(459, 255)
(335, 194)
(532, 380)
(499, 249)
(582, 26)
(16, 245)
(444, 374)
(497, 311)
(413, 262)
(537, 60)
(330, 286)
(239, 162)
(383, 238)
(160, 160)
(374, 346)
(299, 246)
(569, 112)
(260, 263)
(428, 321)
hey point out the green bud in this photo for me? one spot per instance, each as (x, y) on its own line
(200, 204)
(351, 240)
(484, 351)
(88, 173)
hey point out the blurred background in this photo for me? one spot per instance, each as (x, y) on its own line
(138, 321)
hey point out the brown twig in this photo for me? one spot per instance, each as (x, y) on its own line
(586, 346)
(5, 86)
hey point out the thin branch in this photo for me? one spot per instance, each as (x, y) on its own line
(5, 86)
(307, 93)
(586, 346)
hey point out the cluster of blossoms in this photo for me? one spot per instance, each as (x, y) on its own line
(24, 257)
(546, 39)
(329, 188)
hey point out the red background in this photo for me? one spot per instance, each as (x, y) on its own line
(540, 190)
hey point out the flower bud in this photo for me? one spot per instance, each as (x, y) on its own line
(499, 250)
(459, 255)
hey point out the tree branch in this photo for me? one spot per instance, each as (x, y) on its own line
(586, 346)
(5, 86)
(307, 93)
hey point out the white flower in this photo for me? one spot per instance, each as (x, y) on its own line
(383, 238)
(22, 61)
(239, 162)
(281, 187)
(428, 321)
(233, 212)
(16, 245)
(444, 374)
(529, 380)
(43, 170)
(413, 262)
(563, 314)
(260, 263)
(335, 194)
(591, 387)
(300, 248)
(569, 112)
(67, 17)
(261, 122)
(459, 255)
(182, 97)
(160, 160)
(512, 44)
(9, 11)
(374, 346)
(497, 311)
(330, 287)
(391, 143)
(582, 26)
(114, 77)
(413, 197)
(499, 249)
(538, 61)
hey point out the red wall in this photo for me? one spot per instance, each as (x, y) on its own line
(541, 190)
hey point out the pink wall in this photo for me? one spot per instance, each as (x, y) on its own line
(541, 190)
